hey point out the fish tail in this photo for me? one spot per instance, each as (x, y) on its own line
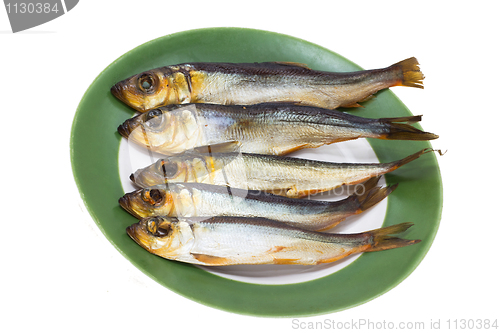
(400, 129)
(368, 185)
(372, 197)
(411, 76)
(381, 239)
(365, 195)
(394, 165)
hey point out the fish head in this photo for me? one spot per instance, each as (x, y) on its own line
(151, 201)
(171, 169)
(168, 130)
(147, 129)
(186, 167)
(161, 235)
(144, 91)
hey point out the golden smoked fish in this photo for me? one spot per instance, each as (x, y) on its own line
(221, 241)
(253, 83)
(267, 128)
(202, 200)
(281, 175)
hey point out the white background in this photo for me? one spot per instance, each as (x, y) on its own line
(60, 274)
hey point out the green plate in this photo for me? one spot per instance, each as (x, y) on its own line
(94, 156)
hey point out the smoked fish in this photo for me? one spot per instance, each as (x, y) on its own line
(253, 83)
(282, 175)
(202, 200)
(267, 128)
(221, 241)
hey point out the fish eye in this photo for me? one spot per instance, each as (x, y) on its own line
(158, 229)
(166, 168)
(154, 120)
(153, 197)
(153, 114)
(152, 226)
(169, 169)
(146, 82)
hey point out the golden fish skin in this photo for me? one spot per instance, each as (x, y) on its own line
(281, 175)
(221, 241)
(267, 128)
(202, 200)
(253, 83)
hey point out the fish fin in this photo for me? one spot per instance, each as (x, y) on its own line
(382, 241)
(412, 76)
(275, 249)
(367, 98)
(285, 261)
(370, 183)
(356, 103)
(225, 147)
(352, 105)
(330, 226)
(372, 197)
(343, 255)
(211, 260)
(291, 63)
(399, 129)
(394, 165)
(292, 149)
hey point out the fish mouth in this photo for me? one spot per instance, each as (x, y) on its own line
(123, 130)
(125, 204)
(126, 93)
(130, 125)
(138, 179)
(118, 91)
(132, 234)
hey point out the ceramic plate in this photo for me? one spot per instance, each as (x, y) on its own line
(97, 154)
